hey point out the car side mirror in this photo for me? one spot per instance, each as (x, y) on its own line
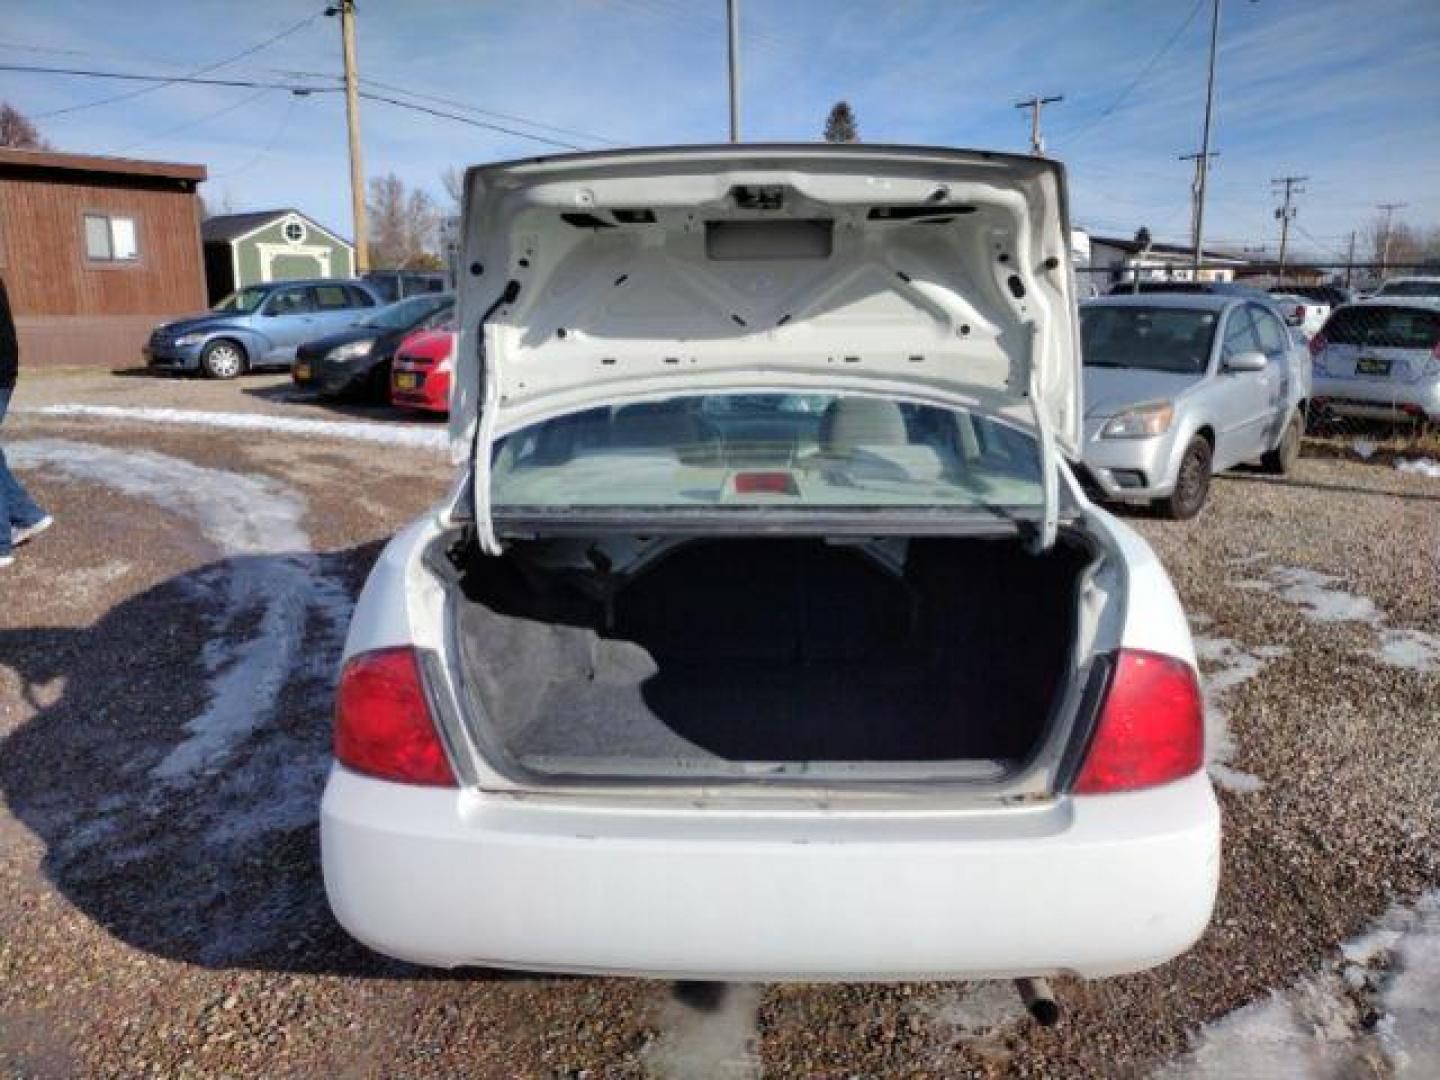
(1250, 360)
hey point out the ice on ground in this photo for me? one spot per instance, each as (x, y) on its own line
(285, 596)
(1225, 665)
(1413, 650)
(425, 438)
(1372, 1010)
(1318, 595)
(1321, 598)
(1422, 466)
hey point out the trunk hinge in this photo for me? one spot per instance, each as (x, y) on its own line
(485, 428)
(1044, 539)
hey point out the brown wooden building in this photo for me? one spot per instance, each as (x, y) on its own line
(95, 251)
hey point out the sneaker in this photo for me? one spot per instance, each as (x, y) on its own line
(23, 534)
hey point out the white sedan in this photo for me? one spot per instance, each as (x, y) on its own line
(766, 634)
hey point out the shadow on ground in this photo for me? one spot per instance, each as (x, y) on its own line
(219, 867)
(354, 409)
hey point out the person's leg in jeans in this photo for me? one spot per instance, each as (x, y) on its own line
(17, 509)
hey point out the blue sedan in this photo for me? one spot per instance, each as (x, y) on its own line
(259, 326)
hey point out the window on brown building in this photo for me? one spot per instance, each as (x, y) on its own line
(111, 239)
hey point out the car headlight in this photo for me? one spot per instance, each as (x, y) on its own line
(349, 351)
(189, 339)
(1141, 422)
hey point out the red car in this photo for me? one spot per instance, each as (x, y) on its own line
(420, 375)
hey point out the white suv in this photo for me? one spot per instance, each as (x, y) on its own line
(766, 634)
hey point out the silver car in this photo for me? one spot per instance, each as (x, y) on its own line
(1180, 386)
(1379, 359)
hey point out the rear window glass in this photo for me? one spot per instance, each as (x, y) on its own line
(1387, 327)
(788, 451)
(1151, 338)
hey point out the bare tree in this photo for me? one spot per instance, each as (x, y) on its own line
(17, 132)
(403, 224)
(454, 181)
(840, 124)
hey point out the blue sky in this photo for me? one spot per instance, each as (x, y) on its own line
(1347, 93)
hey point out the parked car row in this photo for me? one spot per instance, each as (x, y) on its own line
(338, 337)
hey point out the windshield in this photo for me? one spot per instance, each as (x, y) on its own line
(1386, 327)
(1410, 288)
(244, 301)
(1149, 338)
(404, 314)
(790, 451)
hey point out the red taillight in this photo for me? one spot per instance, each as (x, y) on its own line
(1317, 345)
(1151, 729)
(1299, 313)
(382, 721)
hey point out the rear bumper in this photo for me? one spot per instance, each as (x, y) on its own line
(1377, 399)
(1095, 886)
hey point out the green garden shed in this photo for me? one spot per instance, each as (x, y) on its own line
(270, 245)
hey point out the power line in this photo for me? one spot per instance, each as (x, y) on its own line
(248, 51)
(1149, 66)
(216, 114)
(270, 144)
(463, 106)
(372, 96)
(299, 89)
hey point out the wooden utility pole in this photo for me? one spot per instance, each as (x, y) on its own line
(346, 11)
(1035, 104)
(1286, 213)
(1388, 209)
(732, 20)
(1195, 187)
(1204, 161)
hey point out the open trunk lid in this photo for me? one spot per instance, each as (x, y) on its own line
(931, 275)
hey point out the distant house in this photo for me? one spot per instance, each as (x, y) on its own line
(270, 245)
(95, 251)
(1114, 259)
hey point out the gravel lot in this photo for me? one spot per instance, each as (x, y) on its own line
(159, 918)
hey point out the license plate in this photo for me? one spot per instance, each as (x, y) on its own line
(1372, 365)
(404, 382)
(302, 372)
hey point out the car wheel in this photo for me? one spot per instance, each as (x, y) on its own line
(222, 360)
(1192, 483)
(1282, 459)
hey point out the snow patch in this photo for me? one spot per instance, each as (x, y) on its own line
(1226, 665)
(1320, 598)
(1372, 1010)
(425, 438)
(1420, 466)
(977, 1010)
(263, 609)
(1364, 449)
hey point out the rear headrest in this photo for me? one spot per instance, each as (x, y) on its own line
(654, 424)
(850, 423)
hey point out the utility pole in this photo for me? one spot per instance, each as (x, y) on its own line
(1350, 259)
(1195, 187)
(1035, 104)
(1286, 213)
(346, 10)
(1204, 163)
(732, 18)
(1388, 209)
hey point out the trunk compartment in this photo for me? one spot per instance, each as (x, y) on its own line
(771, 657)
